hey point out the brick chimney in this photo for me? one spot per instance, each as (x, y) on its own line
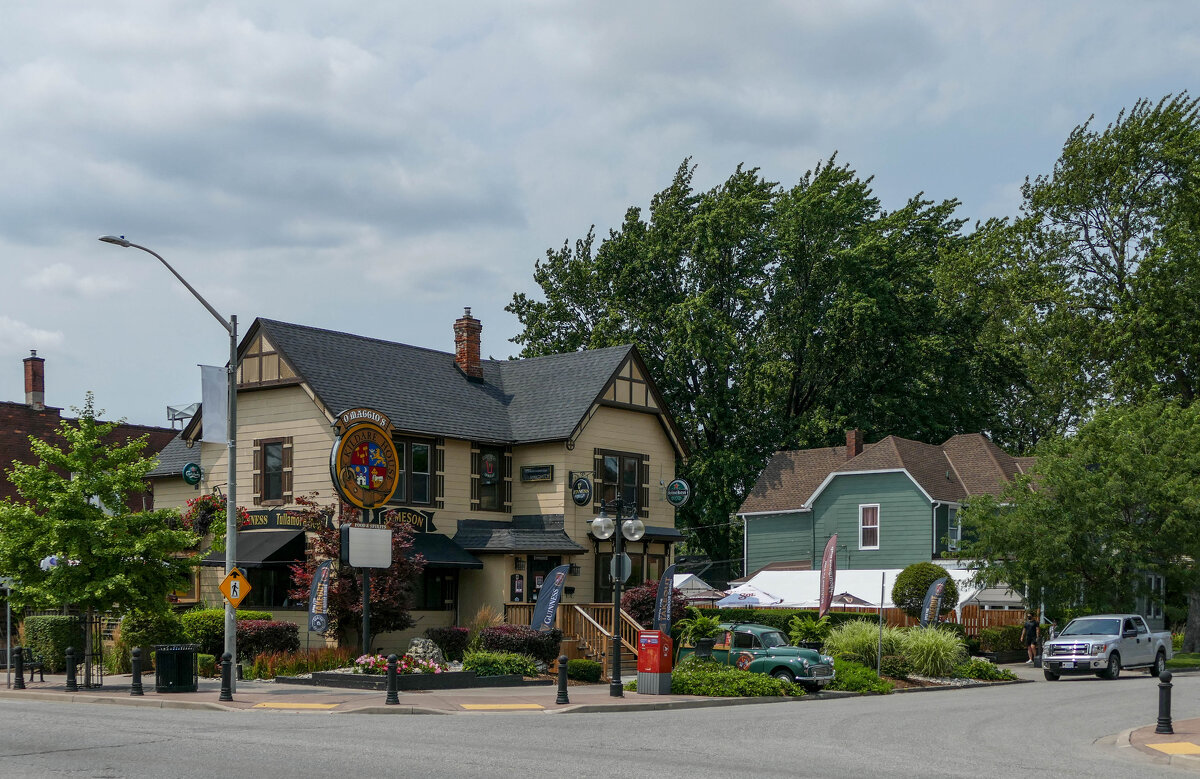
(854, 443)
(466, 344)
(35, 381)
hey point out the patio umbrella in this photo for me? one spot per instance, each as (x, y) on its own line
(746, 595)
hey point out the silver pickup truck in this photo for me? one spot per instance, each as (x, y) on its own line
(1103, 645)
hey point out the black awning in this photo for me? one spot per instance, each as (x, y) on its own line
(257, 547)
(440, 551)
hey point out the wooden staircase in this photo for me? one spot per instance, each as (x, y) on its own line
(587, 632)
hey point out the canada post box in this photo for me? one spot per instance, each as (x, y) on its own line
(654, 652)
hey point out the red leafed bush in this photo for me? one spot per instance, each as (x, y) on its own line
(522, 639)
(451, 640)
(256, 636)
(638, 602)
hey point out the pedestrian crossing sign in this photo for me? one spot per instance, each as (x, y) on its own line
(235, 587)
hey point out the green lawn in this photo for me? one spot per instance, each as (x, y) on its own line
(1184, 660)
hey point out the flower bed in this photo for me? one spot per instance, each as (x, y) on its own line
(405, 664)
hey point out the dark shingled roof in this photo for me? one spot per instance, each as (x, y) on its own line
(965, 465)
(173, 457)
(526, 533)
(423, 391)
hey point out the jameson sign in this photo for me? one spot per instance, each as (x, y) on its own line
(549, 598)
(318, 598)
(662, 603)
(828, 574)
(933, 602)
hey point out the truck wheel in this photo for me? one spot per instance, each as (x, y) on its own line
(1114, 667)
(1160, 664)
(784, 674)
(1050, 675)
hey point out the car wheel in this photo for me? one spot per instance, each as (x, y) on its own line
(1114, 667)
(1050, 675)
(784, 674)
(1160, 664)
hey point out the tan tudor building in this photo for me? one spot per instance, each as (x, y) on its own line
(536, 424)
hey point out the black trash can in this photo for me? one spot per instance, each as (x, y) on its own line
(176, 667)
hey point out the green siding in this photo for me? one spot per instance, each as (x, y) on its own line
(778, 537)
(905, 520)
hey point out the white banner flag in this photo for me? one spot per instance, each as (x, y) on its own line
(214, 394)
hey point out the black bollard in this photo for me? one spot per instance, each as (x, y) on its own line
(226, 677)
(135, 687)
(562, 680)
(19, 668)
(71, 685)
(392, 698)
(1164, 704)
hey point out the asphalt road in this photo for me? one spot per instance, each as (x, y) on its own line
(1048, 729)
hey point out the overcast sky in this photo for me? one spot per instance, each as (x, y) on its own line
(374, 167)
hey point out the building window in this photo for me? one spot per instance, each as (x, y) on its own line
(1154, 603)
(868, 527)
(272, 471)
(644, 567)
(491, 478)
(415, 479)
(436, 590)
(623, 475)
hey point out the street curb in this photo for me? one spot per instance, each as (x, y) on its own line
(397, 710)
(940, 687)
(152, 703)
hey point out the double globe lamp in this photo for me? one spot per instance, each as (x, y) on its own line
(632, 529)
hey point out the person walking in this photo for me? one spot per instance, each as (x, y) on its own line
(1029, 636)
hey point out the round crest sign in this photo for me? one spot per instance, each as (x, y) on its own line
(679, 491)
(363, 465)
(581, 491)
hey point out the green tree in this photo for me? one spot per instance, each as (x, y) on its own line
(908, 593)
(1101, 509)
(72, 506)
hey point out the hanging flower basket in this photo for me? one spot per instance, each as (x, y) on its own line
(206, 513)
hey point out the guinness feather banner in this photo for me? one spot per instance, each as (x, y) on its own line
(548, 599)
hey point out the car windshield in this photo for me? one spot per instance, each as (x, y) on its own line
(772, 638)
(1092, 627)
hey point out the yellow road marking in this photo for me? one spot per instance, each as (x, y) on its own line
(1177, 748)
(295, 705)
(483, 706)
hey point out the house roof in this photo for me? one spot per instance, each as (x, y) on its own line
(423, 391)
(965, 465)
(174, 456)
(526, 533)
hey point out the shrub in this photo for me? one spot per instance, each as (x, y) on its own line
(1002, 639)
(147, 629)
(1177, 642)
(451, 640)
(523, 640)
(695, 676)
(639, 602)
(854, 677)
(908, 593)
(859, 641)
(485, 663)
(486, 617)
(978, 668)
(584, 670)
(779, 619)
(255, 636)
(808, 630)
(206, 627)
(49, 636)
(895, 666)
(933, 651)
(208, 666)
(268, 665)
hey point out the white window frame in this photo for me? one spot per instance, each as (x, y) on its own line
(862, 506)
(1157, 584)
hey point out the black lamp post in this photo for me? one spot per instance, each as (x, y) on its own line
(632, 529)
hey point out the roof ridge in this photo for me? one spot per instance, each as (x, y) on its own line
(310, 328)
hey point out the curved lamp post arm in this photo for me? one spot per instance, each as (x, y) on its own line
(120, 241)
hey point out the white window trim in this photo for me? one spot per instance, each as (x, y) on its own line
(878, 538)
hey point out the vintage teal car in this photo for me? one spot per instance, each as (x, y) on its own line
(765, 650)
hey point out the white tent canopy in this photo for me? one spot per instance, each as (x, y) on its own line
(688, 583)
(746, 595)
(802, 589)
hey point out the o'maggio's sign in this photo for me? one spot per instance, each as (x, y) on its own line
(363, 462)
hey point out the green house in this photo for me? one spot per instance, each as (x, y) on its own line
(891, 503)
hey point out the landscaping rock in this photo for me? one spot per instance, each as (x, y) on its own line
(424, 649)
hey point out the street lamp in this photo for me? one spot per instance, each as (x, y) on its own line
(632, 529)
(230, 326)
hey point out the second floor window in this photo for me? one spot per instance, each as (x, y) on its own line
(272, 471)
(868, 527)
(415, 477)
(625, 476)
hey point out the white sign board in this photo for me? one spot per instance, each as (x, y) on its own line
(369, 547)
(5, 583)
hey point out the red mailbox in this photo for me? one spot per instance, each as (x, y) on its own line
(654, 652)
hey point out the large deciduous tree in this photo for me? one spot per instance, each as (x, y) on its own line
(72, 507)
(1102, 509)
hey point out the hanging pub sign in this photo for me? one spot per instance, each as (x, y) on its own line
(581, 491)
(363, 462)
(679, 492)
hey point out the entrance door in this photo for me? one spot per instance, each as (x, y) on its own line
(539, 566)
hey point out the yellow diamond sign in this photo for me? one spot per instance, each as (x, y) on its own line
(235, 587)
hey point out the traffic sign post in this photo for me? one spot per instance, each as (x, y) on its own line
(235, 587)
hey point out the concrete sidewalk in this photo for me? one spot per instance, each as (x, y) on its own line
(258, 695)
